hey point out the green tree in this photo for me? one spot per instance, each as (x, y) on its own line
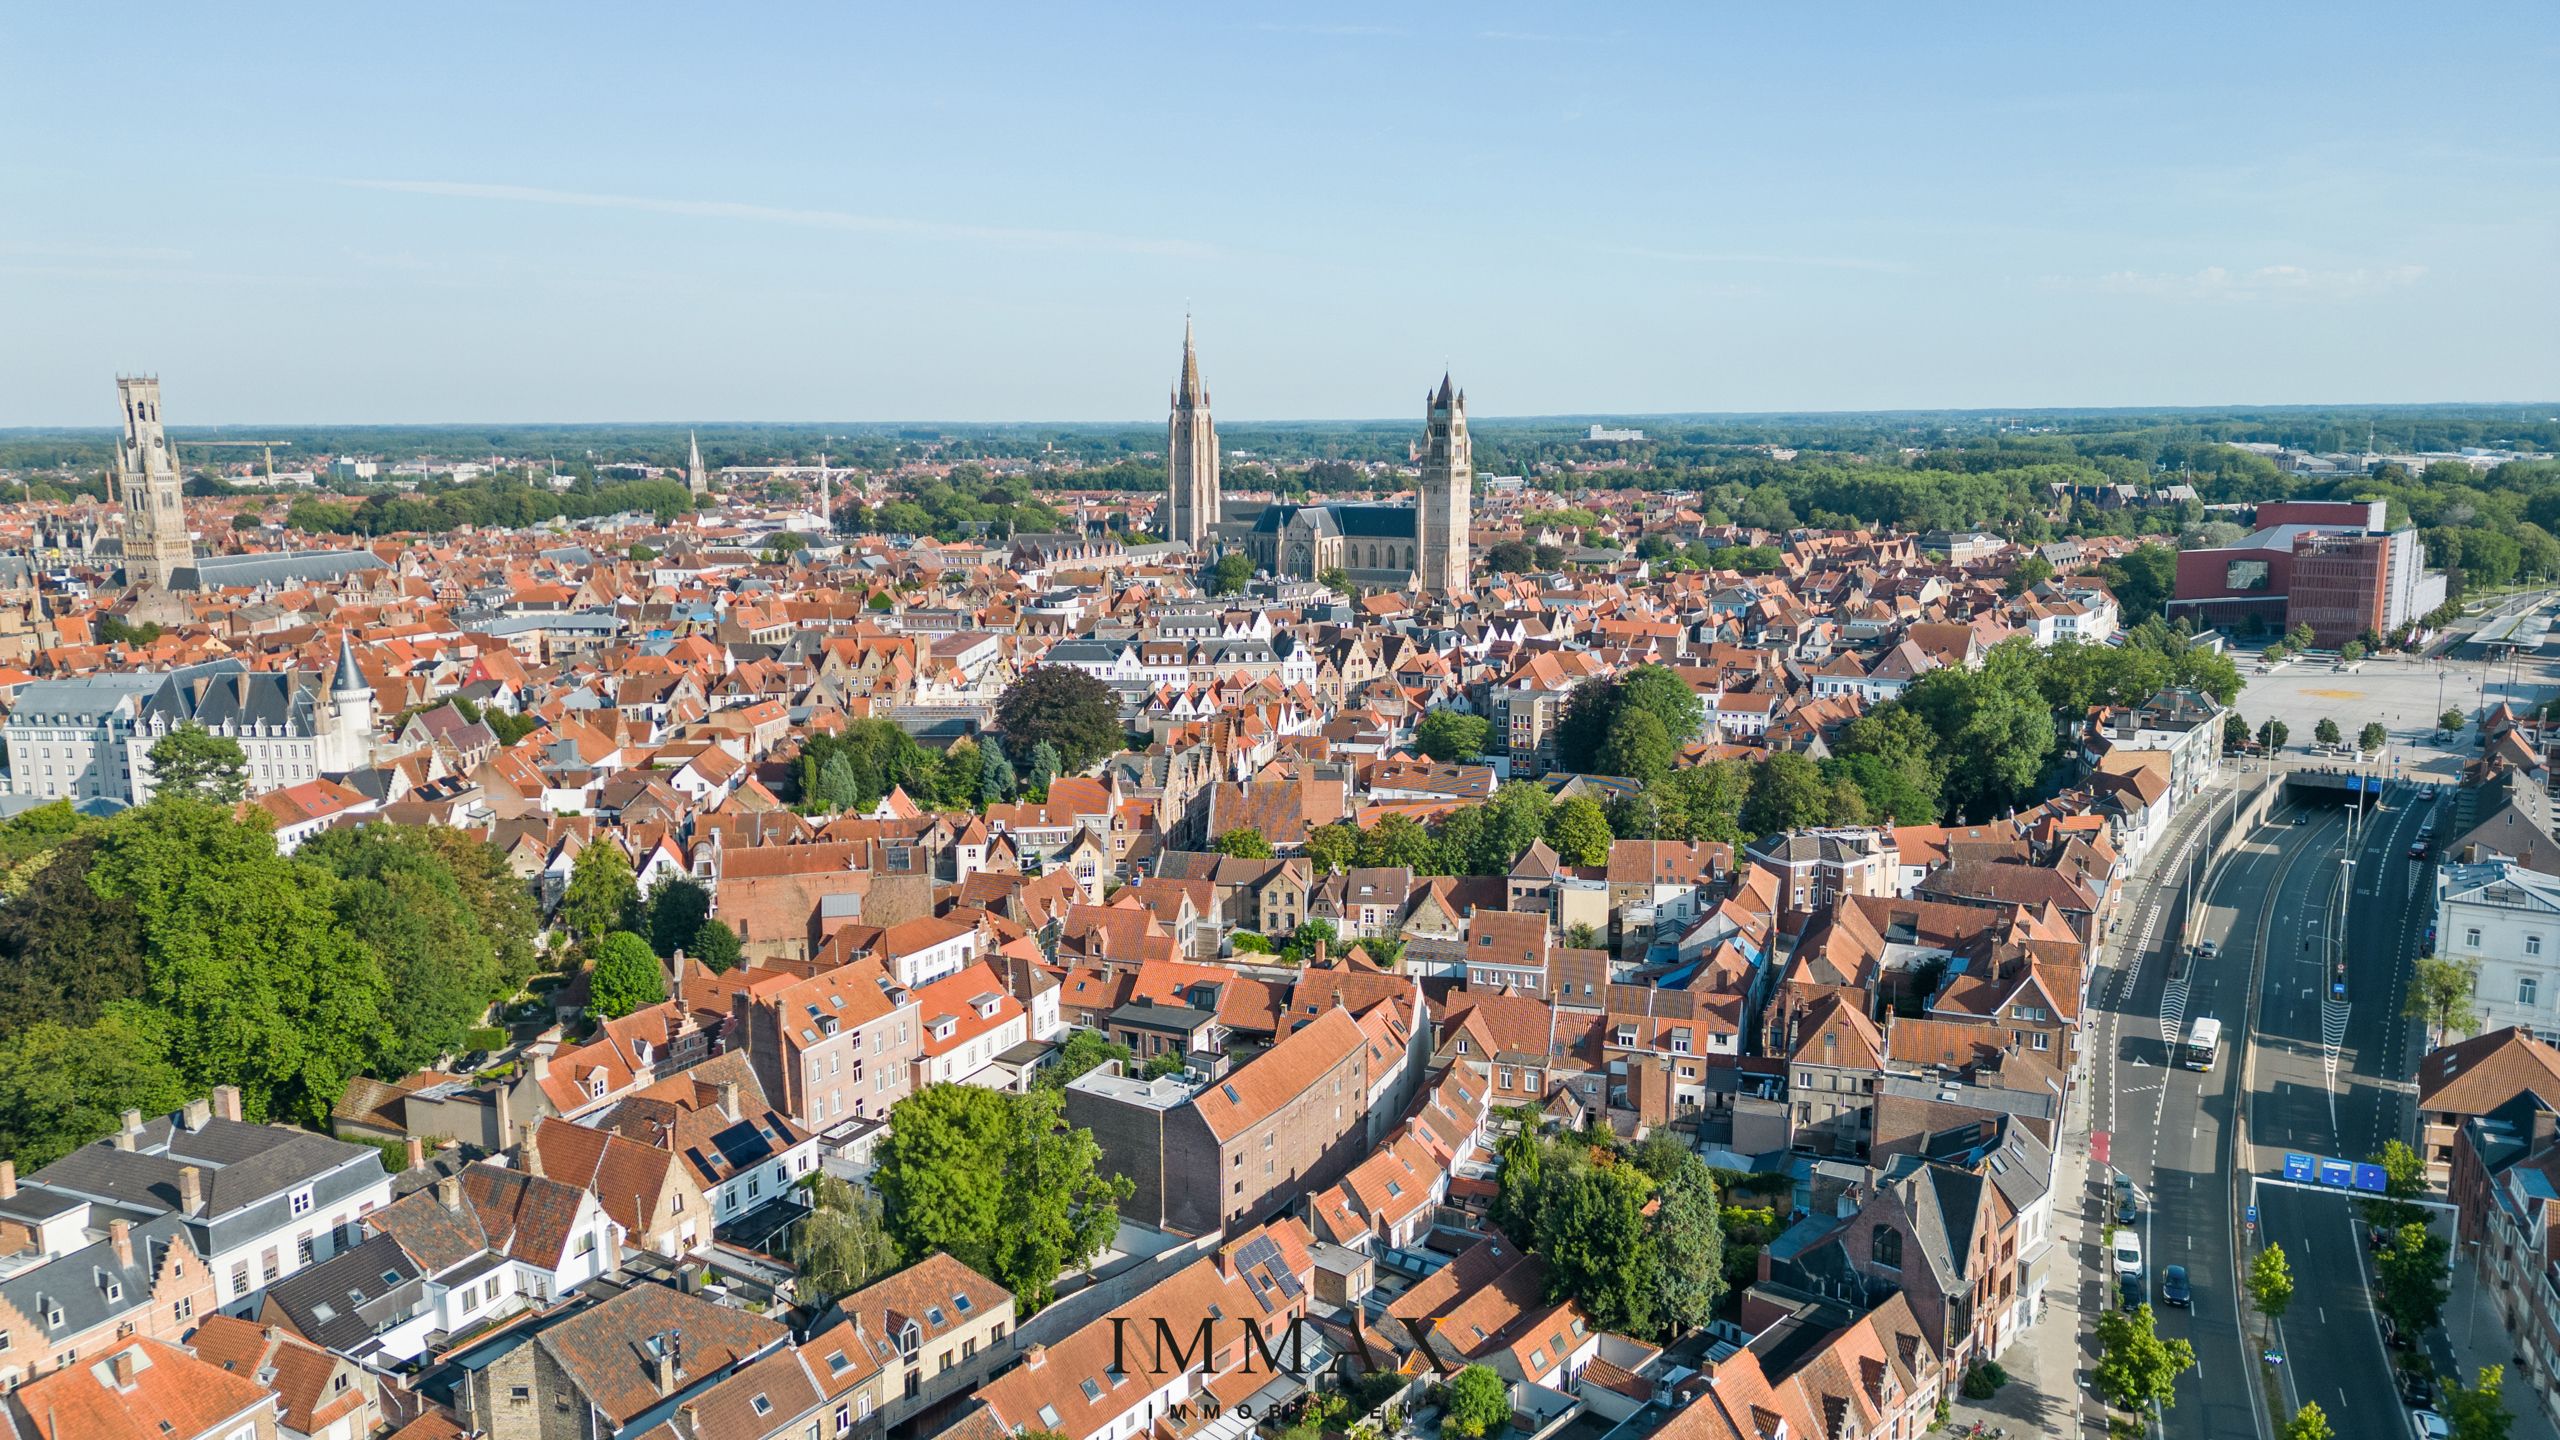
(996, 783)
(1599, 1247)
(2308, 1423)
(1302, 944)
(193, 763)
(2451, 721)
(63, 1086)
(2271, 1283)
(1688, 1235)
(1000, 1182)
(1335, 579)
(1475, 1403)
(1583, 935)
(1334, 848)
(959, 777)
(844, 1241)
(66, 951)
(1385, 951)
(1579, 830)
(2477, 1411)
(2136, 1368)
(2235, 733)
(1244, 845)
(1787, 793)
(677, 908)
(1084, 1050)
(2440, 997)
(259, 983)
(1397, 840)
(2143, 580)
(627, 976)
(2327, 732)
(1637, 746)
(1451, 735)
(2409, 1278)
(601, 895)
(398, 896)
(1231, 574)
(1065, 708)
(2272, 734)
(1045, 765)
(1893, 756)
(1993, 725)
(2351, 652)
(1658, 689)
(716, 946)
(2372, 737)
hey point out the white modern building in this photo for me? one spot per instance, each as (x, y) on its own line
(2504, 919)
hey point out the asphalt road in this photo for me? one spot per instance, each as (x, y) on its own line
(2332, 1080)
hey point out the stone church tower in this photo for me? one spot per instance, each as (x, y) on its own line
(156, 545)
(1190, 456)
(696, 478)
(1447, 503)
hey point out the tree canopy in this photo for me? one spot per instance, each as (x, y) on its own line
(998, 1181)
(192, 762)
(1064, 708)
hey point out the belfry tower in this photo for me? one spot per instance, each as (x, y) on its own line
(156, 544)
(1447, 503)
(1190, 456)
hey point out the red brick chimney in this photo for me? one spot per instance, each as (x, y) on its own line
(120, 1233)
(417, 1153)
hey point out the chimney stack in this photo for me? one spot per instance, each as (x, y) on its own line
(132, 1123)
(1320, 955)
(120, 1233)
(8, 1179)
(417, 1154)
(529, 1154)
(729, 1099)
(449, 1192)
(198, 1111)
(541, 1063)
(190, 1190)
(226, 1103)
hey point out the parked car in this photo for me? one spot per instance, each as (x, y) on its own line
(2173, 1286)
(2129, 1288)
(2428, 1425)
(2128, 1203)
(2128, 1253)
(2417, 1384)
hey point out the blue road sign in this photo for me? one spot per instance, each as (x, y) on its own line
(2297, 1167)
(2338, 988)
(2373, 1178)
(2253, 1214)
(2338, 1174)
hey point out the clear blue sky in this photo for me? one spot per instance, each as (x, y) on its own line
(863, 212)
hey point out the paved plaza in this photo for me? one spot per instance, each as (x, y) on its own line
(2406, 695)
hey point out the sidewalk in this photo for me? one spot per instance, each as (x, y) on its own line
(2046, 1360)
(2471, 1326)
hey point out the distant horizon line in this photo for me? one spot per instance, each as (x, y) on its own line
(179, 430)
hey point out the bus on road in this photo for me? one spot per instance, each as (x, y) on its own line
(2204, 1038)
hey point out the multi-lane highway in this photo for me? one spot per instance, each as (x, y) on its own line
(2321, 1078)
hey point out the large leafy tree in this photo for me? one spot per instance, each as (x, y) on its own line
(1334, 848)
(2271, 1283)
(998, 1181)
(1451, 735)
(1064, 707)
(602, 895)
(192, 762)
(1688, 1233)
(1599, 1247)
(260, 983)
(677, 908)
(2308, 1423)
(1892, 755)
(626, 977)
(1636, 746)
(1243, 844)
(2136, 1368)
(1992, 724)
(716, 946)
(2143, 578)
(844, 1241)
(396, 895)
(66, 951)
(1398, 840)
(2477, 1411)
(2409, 1275)
(62, 1086)
(1787, 793)
(1579, 830)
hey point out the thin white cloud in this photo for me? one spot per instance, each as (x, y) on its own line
(785, 215)
(2266, 282)
(1749, 257)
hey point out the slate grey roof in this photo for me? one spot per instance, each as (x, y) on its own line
(226, 695)
(248, 1174)
(80, 700)
(77, 1285)
(289, 567)
(349, 1298)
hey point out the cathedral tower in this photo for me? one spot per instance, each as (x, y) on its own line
(1447, 504)
(695, 478)
(1190, 456)
(156, 545)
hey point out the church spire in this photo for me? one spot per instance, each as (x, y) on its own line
(694, 478)
(1188, 392)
